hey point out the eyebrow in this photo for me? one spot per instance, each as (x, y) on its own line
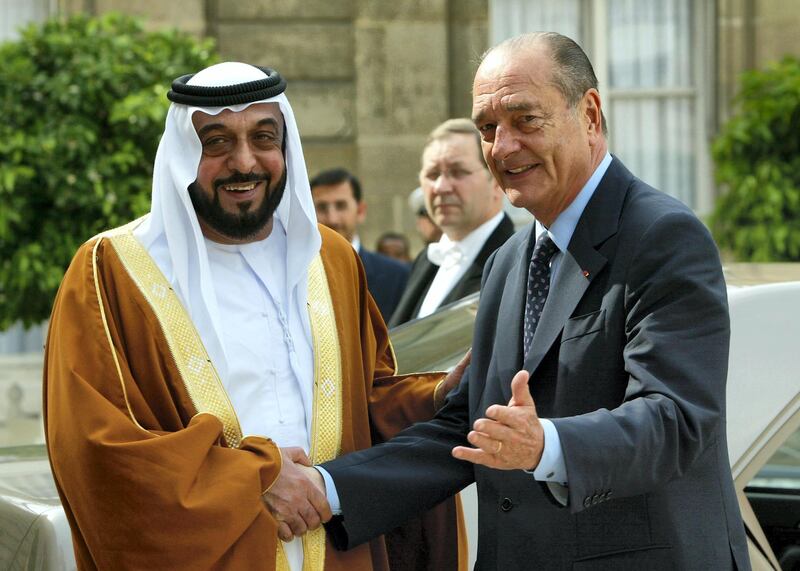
(448, 164)
(267, 121)
(210, 127)
(522, 106)
(511, 107)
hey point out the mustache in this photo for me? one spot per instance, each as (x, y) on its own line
(238, 178)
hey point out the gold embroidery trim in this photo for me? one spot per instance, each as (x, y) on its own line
(199, 376)
(108, 332)
(326, 423)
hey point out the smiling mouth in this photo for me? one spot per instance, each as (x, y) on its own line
(239, 188)
(520, 170)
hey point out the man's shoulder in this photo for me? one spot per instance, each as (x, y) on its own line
(95, 246)
(640, 199)
(499, 236)
(339, 255)
(514, 241)
(118, 231)
(505, 229)
(333, 243)
(421, 263)
(645, 206)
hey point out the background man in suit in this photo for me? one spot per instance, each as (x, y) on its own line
(618, 410)
(462, 201)
(339, 203)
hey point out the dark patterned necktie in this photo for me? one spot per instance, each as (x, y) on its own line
(538, 286)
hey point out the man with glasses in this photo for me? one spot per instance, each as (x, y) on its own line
(463, 202)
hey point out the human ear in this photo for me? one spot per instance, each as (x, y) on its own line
(591, 108)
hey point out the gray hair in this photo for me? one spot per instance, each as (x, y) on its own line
(573, 74)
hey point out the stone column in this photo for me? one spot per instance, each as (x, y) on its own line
(401, 94)
(311, 43)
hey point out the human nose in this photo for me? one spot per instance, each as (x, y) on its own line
(242, 158)
(333, 216)
(443, 183)
(504, 145)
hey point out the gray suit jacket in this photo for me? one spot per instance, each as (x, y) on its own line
(629, 361)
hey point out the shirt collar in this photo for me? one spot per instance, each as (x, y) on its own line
(468, 247)
(356, 243)
(563, 228)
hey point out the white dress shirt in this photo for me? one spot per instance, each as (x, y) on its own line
(453, 259)
(270, 372)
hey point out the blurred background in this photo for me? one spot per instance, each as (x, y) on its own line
(702, 100)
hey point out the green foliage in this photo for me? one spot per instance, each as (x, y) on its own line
(757, 156)
(84, 103)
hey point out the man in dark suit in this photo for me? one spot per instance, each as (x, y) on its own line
(339, 203)
(592, 415)
(463, 202)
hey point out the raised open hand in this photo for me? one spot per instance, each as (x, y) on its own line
(510, 437)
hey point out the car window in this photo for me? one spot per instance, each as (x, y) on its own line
(782, 471)
(774, 494)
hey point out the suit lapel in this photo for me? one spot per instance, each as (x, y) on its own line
(568, 287)
(508, 346)
(579, 264)
(419, 281)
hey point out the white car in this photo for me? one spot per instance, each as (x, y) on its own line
(763, 425)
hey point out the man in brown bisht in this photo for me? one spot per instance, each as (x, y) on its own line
(196, 354)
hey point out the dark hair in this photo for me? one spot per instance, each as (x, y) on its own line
(392, 236)
(573, 74)
(338, 175)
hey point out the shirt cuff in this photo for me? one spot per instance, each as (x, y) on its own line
(551, 467)
(330, 491)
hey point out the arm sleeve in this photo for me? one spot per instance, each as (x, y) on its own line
(330, 491)
(551, 467)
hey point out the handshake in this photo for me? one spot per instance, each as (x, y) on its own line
(297, 498)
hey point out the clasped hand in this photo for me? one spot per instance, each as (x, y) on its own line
(510, 437)
(297, 498)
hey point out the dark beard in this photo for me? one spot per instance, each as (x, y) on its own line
(245, 224)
